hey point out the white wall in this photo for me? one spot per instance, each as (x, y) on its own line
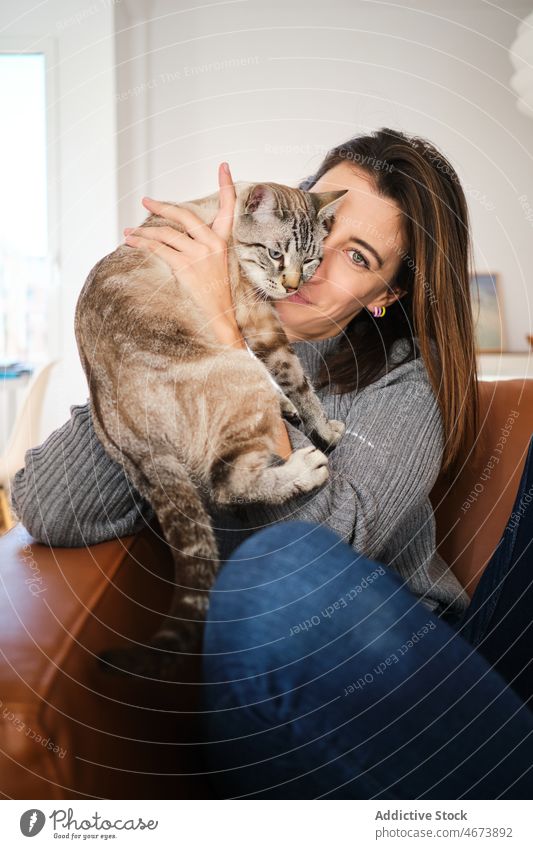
(83, 221)
(271, 87)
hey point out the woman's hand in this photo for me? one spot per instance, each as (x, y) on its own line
(199, 256)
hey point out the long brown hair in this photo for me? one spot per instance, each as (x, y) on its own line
(434, 271)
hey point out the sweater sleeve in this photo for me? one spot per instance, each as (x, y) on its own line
(383, 467)
(71, 493)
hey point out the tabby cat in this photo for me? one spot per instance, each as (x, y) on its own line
(191, 421)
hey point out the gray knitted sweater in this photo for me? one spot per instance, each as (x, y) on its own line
(70, 493)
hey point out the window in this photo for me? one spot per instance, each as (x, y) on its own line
(24, 244)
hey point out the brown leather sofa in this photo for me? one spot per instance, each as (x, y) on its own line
(68, 730)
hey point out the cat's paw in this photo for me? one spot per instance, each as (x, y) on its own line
(328, 435)
(309, 466)
(288, 410)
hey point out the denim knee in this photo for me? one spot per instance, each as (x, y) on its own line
(291, 590)
(302, 551)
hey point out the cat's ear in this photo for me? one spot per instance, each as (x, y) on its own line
(261, 202)
(326, 203)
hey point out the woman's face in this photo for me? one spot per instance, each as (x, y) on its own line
(361, 255)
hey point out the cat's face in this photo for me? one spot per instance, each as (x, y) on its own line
(278, 234)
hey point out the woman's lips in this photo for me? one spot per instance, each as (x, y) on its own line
(297, 298)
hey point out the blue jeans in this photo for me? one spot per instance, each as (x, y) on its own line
(325, 677)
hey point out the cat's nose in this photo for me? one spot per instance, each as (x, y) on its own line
(291, 280)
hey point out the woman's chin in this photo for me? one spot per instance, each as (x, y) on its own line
(294, 300)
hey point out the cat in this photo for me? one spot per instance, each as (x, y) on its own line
(194, 422)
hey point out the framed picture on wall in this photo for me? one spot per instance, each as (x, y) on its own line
(487, 307)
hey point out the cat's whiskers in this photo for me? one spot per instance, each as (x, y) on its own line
(252, 297)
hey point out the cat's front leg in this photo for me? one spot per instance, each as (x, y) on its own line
(264, 334)
(287, 371)
(288, 410)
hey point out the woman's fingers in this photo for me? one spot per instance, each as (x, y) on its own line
(195, 227)
(166, 235)
(223, 223)
(212, 236)
(172, 257)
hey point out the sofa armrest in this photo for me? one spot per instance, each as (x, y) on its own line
(473, 508)
(67, 729)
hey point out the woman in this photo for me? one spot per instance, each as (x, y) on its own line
(297, 602)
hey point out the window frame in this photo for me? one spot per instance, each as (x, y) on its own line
(48, 48)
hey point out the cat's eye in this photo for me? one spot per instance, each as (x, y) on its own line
(314, 259)
(274, 254)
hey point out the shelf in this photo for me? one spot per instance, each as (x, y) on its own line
(507, 365)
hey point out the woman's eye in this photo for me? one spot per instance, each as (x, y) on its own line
(274, 254)
(358, 258)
